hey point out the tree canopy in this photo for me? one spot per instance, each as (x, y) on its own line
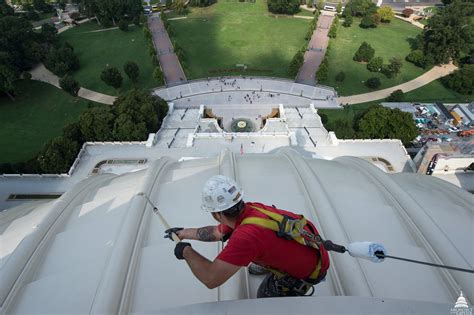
(450, 32)
(360, 7)
(380, 122)
(462, 80)
(111, 11)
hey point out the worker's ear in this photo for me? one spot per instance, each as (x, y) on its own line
(217, 216)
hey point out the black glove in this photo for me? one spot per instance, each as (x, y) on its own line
(168, 232)
(179, 249)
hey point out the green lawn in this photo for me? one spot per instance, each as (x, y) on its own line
(436, 92)
(305, 13)
(36, 116)
(388, 40)
(113, 47)
(218, 37)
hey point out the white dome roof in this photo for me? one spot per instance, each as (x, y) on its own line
(99, 249)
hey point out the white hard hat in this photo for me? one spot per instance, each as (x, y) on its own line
(220, 193)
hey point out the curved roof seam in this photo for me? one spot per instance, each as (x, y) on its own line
(111, 286)
(292, 158)
(130, 278)
(31, 262)
(227, 155)
(405, 215)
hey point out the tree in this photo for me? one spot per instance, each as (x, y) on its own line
(450, 32)
(5, 9)
(361, 7)
(283, 6)
(20, 46)
(112, 77)
(373, 83)
(49, 33)
(417, 58)
(339, 7)
(138, 113)
(340, 77)
(396, 96)
(364, 53)
(320, 5)
(386, 14)
(68, 84)
(110, 11)
(380, 122)
(348, 21)
(461, 80)
(132, 71)
(61, 60)
(407, 12)
(375, 64)
(73, 132)
(57, 155)
(8, 77)
(342, 129)
(96, 124)
(296, 63)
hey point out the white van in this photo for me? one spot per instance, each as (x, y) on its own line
(329, 8)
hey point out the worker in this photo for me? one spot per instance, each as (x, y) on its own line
(256, 233)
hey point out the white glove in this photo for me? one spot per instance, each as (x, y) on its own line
(366, 250)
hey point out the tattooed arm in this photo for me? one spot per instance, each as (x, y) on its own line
(206, 234)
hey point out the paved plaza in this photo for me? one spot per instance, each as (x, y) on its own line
(248, 90)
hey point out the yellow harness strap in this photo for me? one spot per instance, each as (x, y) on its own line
(274, 224)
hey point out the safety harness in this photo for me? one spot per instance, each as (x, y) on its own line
(291, 229)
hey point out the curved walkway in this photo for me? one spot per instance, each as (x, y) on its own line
(40, 73)
(427, 77)
(215, 91)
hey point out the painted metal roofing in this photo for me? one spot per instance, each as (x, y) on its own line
(99, 249)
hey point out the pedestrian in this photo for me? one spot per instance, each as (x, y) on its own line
(254, 236)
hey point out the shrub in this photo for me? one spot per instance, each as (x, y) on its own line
(296, 63)
(348, 21)
(396, 96)
(375, 64)
(386, 14)
(417, 58)
(323, 70)
(333, 30)
(368, 21)
(158, 75)
(364, 53)
(373, 83)
(407, 12)
(123, 25)
(340, 77)
(68, 84)
(393, 68)
(112, 77)
(131, 70)
(283, 6)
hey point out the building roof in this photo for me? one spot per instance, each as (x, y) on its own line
(99, 249)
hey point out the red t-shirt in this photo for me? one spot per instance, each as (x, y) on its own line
(252, 243)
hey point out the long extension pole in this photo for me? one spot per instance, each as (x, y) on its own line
(160, 216)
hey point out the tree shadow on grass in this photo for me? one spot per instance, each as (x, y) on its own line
(213, 48)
